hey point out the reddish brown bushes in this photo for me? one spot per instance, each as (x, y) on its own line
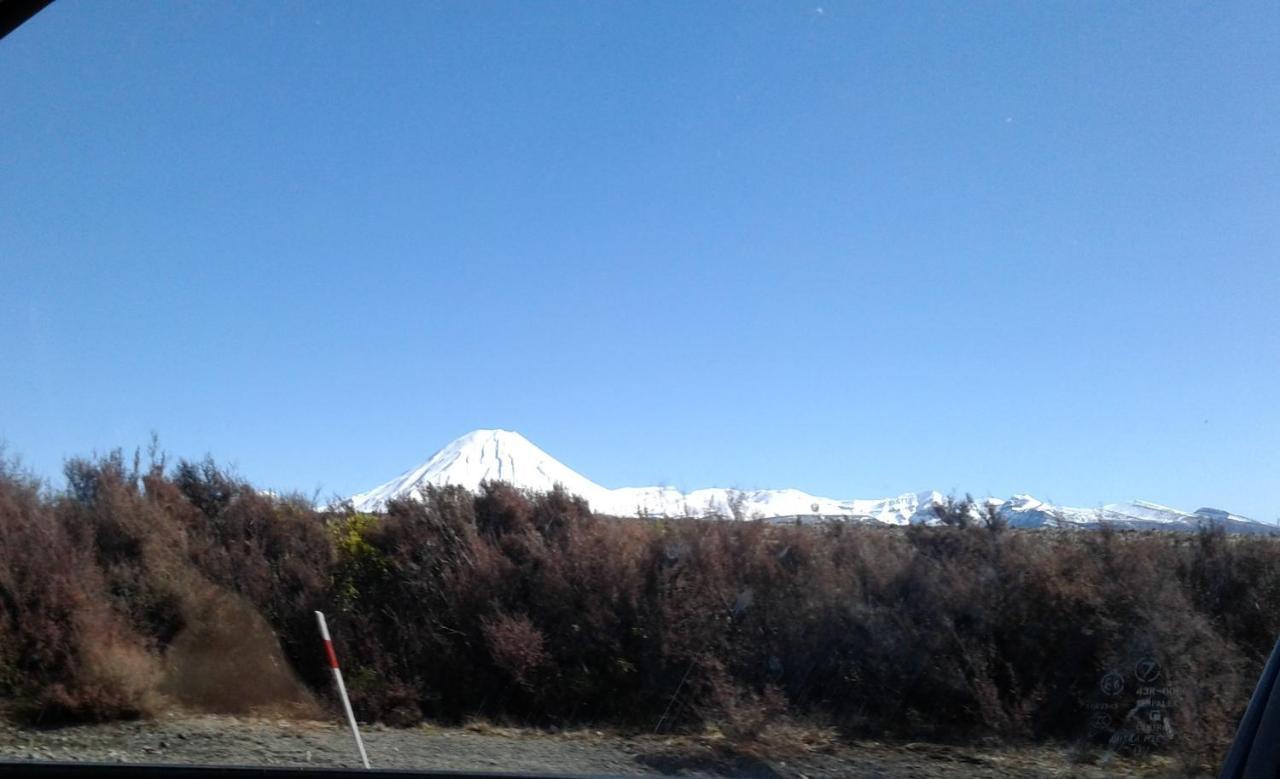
(942, 632)
(529, 607)
(98, 582)
(515, 646)
(272, 551)
(64, 651)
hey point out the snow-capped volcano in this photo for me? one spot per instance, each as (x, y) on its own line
(503, 455)
(483, 455)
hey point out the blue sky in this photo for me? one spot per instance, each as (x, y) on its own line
(857, 249)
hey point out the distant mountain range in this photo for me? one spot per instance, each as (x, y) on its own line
(503, 455)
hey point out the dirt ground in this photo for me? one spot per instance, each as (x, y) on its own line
(203, 739)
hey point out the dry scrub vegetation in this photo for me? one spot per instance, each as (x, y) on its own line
(135, 585)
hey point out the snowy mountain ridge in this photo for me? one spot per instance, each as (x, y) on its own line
(503, 455)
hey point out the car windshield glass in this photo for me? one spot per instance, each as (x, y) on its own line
(722, 388)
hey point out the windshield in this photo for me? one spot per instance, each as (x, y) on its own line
(768, 389)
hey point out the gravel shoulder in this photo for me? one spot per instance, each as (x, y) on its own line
(204, 739)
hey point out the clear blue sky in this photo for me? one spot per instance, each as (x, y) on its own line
(857, 249)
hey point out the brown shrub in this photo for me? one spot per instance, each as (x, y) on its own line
(64, 653)
(96, 584)
(227, 660)
(515, 646)
(274, 552)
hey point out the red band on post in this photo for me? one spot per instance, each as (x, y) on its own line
(333, 658)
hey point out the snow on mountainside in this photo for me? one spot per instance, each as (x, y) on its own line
(502, 455)
(483, 455)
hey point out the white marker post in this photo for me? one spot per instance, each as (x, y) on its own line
(342, 688)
